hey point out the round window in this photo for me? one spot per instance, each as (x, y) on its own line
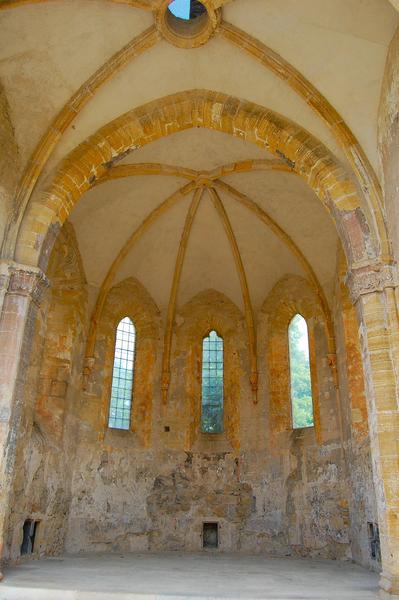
(186, 9)
(187, 23)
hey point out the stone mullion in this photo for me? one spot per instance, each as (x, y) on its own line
(379, 328)
(22, 292)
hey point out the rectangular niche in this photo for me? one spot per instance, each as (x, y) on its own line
(29, 534)
(374, 541)
(210, 535)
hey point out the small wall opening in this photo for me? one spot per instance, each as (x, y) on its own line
(374, 541)
(29, 535)
(210, 535)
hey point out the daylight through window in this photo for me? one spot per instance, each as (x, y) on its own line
(212, 384)
(122, 376)
(187, 9)
(300, 377)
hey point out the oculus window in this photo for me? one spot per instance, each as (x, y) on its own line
(300, 377)
(187, 9)
(212, 384)
(122, 375)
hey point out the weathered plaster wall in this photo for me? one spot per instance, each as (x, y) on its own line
(9, 162)
(362, 500)
(271, 489)
(315, 480)
(110, 476)
(46, 450)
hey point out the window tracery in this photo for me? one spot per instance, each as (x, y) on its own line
(212, 384)
(122, 375)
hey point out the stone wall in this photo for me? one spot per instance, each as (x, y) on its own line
(46, 447)
(362, 500)
(270, 488)
(157, 501)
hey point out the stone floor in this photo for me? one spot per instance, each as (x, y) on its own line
(176, 576)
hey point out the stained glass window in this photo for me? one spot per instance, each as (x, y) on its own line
(300, 377)
(122, 376)
(212, 384)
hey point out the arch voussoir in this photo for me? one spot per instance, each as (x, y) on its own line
(303, 153)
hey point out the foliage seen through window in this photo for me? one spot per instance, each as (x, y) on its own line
(300, 377)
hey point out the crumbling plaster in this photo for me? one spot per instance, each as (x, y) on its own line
(273, 492)
(47, 433)
(307, 492)
(362, 500)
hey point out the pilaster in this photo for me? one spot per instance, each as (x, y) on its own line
(21, 292)
(374, 291)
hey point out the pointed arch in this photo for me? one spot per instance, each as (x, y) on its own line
(212, 383)
(120, 405)
(300, 373)
(364, 238)
(290, 296)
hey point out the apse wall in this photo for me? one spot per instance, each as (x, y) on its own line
(269, 488)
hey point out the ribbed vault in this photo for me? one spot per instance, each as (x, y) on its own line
(202, 189)
(218, 173)
(200, 183)
(270, 60)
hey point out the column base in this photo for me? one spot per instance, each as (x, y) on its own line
(389, 586)
(388, 596)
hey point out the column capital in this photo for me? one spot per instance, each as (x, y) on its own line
(370, 279)
(23, 280)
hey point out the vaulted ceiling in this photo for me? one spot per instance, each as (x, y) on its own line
(49, 50)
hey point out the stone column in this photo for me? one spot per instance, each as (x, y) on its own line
(374, 291)
(21, 291)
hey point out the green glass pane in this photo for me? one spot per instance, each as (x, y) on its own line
(212, 384)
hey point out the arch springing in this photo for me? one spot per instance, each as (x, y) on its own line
(300, 375)
(122, 375)
(212, 384)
